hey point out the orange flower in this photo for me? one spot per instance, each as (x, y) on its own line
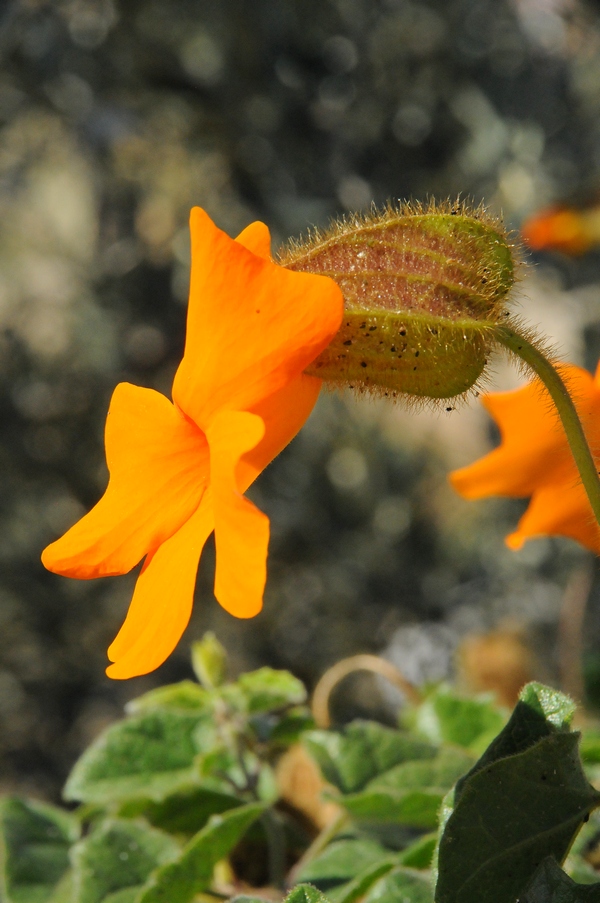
(178, 470)
(534, 460)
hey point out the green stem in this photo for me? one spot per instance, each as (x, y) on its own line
(576, 438)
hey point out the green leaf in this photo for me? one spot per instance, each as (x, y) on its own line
(589, 748)
(415, 808)
(184, 812)
(148, 755)
(446, 717)
(267, 689)
(341, 861)
(304, 893)
(526, 726)
(556, 708)
(551, 885)
(285, 730)
(419, 855)
(509, 817)
(191, 873)
(34, 849)
(410, 793)
(358, 887)
(402, 885)
(185, 696)
(441, 772)
(351, 759)
(209, 661)
(116, 856)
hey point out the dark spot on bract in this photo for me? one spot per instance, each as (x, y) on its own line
(348, 342)
(363, 363)
(371, 328)
(392, 348)
(403, 331)
(416, 353)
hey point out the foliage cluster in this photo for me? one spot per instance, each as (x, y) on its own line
(181, 799)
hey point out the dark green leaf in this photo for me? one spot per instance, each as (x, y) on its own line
(351, 759)
(34, 849)
(209, 661)
(341, 861)
(149, 755)
(527, 725)
(509, 817)
(402, 885)
(551, 885)
(267, 690)
(184, 812)
(446, 717)
(118, 855)
(185, 696)
(191, 873)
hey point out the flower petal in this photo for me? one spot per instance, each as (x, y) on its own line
(241, 530)
(252, 325)
(162, 600)
(534, 450)
(256, 238)
(558, 511)
(158, 463)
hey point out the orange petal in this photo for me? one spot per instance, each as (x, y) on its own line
(162, 600)
(558, 510)
(534, 449)
(158, 463)
(241, 530)
(256, 238)
(252, 325)
(283, 413)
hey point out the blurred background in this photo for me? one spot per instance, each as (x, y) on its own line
(115, 118)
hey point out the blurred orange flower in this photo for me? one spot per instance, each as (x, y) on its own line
(571, 230)
(178, 470)
(534, 460)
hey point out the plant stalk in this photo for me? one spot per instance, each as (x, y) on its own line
(563, 402)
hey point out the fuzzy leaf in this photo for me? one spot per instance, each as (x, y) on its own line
(34, 849)
(341, 861)
(447, 717)
(410, 793)
(305, 893)
(508, 817)
(209, 661)
(148, 755)
(184, 812)
(351, 759)
(117, 857)
(191, 873)
(267, 689)
(185, 696)
(402, 885)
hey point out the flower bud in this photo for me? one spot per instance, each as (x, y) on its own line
(422, 291)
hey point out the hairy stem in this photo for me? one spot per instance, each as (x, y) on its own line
(551, 379)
